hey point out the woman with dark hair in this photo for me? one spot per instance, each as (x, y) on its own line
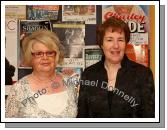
(116, 87)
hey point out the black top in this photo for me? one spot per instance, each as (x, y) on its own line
(9, 72)
(133, 95)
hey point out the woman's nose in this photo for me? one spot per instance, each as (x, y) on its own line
(116, 44)
(45, 56)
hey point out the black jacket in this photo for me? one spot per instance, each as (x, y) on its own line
(9, 72)
(133, 95)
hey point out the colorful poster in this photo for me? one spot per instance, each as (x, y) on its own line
(86, 13)
(11, 30)
(71, 36)
(71, 76)
(27, 27)
(93, 54)
(42, 12)
(15, 11)
(137, 17)
(69, 72)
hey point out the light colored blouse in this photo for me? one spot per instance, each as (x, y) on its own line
(46, 102)
(23, 103)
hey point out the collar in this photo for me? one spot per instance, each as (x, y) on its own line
(124, 63)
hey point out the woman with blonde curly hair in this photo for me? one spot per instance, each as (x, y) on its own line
(42, 93)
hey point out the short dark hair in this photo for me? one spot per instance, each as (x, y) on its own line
(116, 25)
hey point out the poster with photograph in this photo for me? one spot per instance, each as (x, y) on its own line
(27, 27)
(93, 54)
(71, 75)
(42, 12)
(137, 17)
(71, 36)
(11, 30)
(85, 13)
(15, 11)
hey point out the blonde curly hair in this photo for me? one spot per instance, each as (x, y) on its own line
(46, 37)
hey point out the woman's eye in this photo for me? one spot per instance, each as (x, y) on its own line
(109, 40)
(121, 40)
(39, 53)
(50, 53)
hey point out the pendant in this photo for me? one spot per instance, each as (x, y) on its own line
(55, 85)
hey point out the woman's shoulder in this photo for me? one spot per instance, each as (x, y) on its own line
(22, 81)
(21, 84)
(139, 68)
(95, 67)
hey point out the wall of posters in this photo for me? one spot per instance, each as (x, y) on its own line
(75, 26)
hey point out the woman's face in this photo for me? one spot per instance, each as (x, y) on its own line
(43, 62)
(114, 46)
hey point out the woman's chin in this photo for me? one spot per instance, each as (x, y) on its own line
(115, 60)
(46, 69)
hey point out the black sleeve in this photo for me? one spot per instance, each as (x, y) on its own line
(83, 99)
(148, 96)
(9, 72)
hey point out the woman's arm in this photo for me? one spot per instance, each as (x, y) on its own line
(12, 104)
(148, 96)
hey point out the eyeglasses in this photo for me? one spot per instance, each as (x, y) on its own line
(41, 54)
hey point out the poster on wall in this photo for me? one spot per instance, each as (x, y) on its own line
(137, 17)
(27, 27)
(15, 11)
(71, 75)
(11, 30)
(42, 12)
(71, 36)
(85, 13)
(93, 54)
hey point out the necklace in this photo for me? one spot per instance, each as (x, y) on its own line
(54, 84)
